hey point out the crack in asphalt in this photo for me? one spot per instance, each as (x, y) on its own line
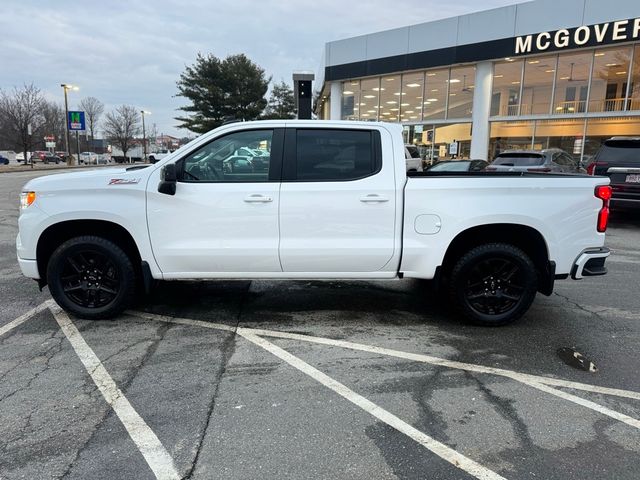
(505, 408)
(228, 349)
(160, 334)
(578, 306)
(56, 346)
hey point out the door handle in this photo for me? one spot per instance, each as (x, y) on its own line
(374, 198)
(257, 198)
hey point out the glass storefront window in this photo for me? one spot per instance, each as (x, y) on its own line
(435, 94)
(390, 93)
(350, 99)
(601, 129)
(411, 105)
(564, 134)
(537, 89)
(609, 83)
(572, 83)
(510, 136)
(445, 135)
(634, 94)
(369, 99)
(461, 87)
(505, 99)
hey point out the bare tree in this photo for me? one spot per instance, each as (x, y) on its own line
(22, 116)
(121, 126)
(93, 109)
(54, 121)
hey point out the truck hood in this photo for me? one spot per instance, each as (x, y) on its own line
(94, 178)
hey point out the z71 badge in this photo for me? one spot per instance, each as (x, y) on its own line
(124, 181)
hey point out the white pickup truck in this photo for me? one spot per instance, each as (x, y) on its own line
(327, 200)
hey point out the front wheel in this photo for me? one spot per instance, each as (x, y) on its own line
(91, 277)
(493, 284)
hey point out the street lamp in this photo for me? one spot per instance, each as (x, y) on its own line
(144, 134)
(66, 87)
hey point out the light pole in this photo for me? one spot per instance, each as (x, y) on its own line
(144, 134)
(66, 87)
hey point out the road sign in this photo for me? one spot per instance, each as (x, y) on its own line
(49, 138)
(75, 121)
(50, 144)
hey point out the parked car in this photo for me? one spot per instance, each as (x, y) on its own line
(49, 157)
(550, 160)
(459, 166)
(4, 160)
(103, 159)
(8, 154)
(88, 158)
(44, 157)
(20, 157)
(412, 158)
(38, 156)
(159, 155)
(64, 156)
(619, 159)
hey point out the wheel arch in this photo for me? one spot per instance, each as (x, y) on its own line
(54, 235)
(524, 237)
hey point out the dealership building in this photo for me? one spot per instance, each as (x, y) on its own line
(540, 74)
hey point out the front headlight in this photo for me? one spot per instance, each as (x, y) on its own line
(26, 199)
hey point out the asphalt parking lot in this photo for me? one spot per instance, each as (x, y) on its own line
(319, 380)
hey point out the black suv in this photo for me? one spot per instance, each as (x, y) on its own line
(619, 159)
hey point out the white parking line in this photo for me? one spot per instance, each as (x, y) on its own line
(181, 321)
(145, 439)
(470, 367)
(535, 381)
(440, 449)
(23, 318)
(621, 417)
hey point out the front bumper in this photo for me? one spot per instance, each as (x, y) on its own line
(590, 263)
(29, 268)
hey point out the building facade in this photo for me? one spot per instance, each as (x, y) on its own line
(540, 74)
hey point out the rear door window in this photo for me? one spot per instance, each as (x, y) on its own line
(519, 159)
(620, 151)
(335, 155)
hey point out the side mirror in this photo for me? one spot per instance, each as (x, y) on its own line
(168, 179)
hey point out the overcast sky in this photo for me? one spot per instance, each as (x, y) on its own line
(133, 52)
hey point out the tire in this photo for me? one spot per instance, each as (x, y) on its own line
(493, 284)
(92, 293)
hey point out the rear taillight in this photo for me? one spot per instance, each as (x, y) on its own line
(539, 170)
(591, 169)
(603, 192)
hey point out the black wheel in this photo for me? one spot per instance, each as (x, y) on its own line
(91, 277)
(493, 284)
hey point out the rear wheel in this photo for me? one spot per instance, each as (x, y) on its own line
(91, 277)
(493, 284)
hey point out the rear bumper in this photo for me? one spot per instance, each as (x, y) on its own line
(617, 202)
(590, 263)
(29, 268)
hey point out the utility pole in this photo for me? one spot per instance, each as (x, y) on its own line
(67, 147)
(144, 134)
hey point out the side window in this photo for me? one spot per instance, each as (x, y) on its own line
(236, 157)
(338, 155)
